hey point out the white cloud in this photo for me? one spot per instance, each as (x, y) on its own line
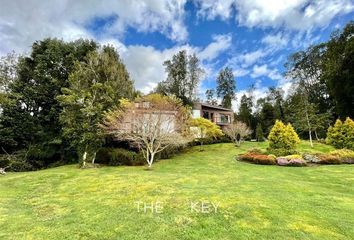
(21, 23)
(145, 63)
(291, 14)
(276, 41)
(263, 70)
(220, 44)
(211, 9)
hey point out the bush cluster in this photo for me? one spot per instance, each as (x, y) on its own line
(341, 134)
(119, 157)
(258, 158)
(282, 139)
(16, 162)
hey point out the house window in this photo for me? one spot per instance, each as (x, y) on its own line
(224, 118)
(206, 114)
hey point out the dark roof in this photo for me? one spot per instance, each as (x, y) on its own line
(215, 106)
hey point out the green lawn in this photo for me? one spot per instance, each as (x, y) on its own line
(256, 202)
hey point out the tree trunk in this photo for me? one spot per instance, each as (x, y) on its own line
(309, 126)
(151, 159)
(94, 158)
(84, 159)
(316, 136)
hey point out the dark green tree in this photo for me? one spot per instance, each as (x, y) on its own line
(338, 70)
(32, 115)
(184, 74)
(95, 86)
(245, 110)
(226, 87)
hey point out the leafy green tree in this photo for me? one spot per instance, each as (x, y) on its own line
(338, 70)
(184, 74)
(282, 138)
(305, 115)
(31, 115)
(94, 87)
(226, 87)
(259, 133)
(245, 110)
(266, 114)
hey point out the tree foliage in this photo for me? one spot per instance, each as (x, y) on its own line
(259, 133)
(95, 86)
(31, 114)
(183, 76)
(283, 138)
(226, 87)
(341, 134)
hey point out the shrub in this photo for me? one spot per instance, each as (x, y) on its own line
(345, 155)
(119, 157)
(329, 159)
(282, 152)
(293, 156)
(256, 151)
(282, 139)
(341, 135)
(16, 162)
(258, 158)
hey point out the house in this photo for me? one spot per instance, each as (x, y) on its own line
(217, 114)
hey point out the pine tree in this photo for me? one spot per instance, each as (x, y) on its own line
(283, 139)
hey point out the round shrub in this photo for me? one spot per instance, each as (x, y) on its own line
(282, 139)
(345, 155)
(341, 134)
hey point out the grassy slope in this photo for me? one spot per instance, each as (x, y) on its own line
(256, 202)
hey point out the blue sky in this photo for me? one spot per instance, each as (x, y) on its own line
(254, 38)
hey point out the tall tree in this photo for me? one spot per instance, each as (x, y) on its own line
(32, 115)
(338, 70)
(226, 87)
(94, 87)
(210, 93)
(184, 74)
(245, 111)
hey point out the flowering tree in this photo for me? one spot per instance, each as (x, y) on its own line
(151, 123)
(202, 128)
(237, 131)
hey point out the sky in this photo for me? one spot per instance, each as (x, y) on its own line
(253, 37)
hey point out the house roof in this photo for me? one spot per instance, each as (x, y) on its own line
(214, 106)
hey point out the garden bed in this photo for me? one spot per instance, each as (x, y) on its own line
(342, 156)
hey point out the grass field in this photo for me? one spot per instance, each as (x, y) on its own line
(255, 202)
